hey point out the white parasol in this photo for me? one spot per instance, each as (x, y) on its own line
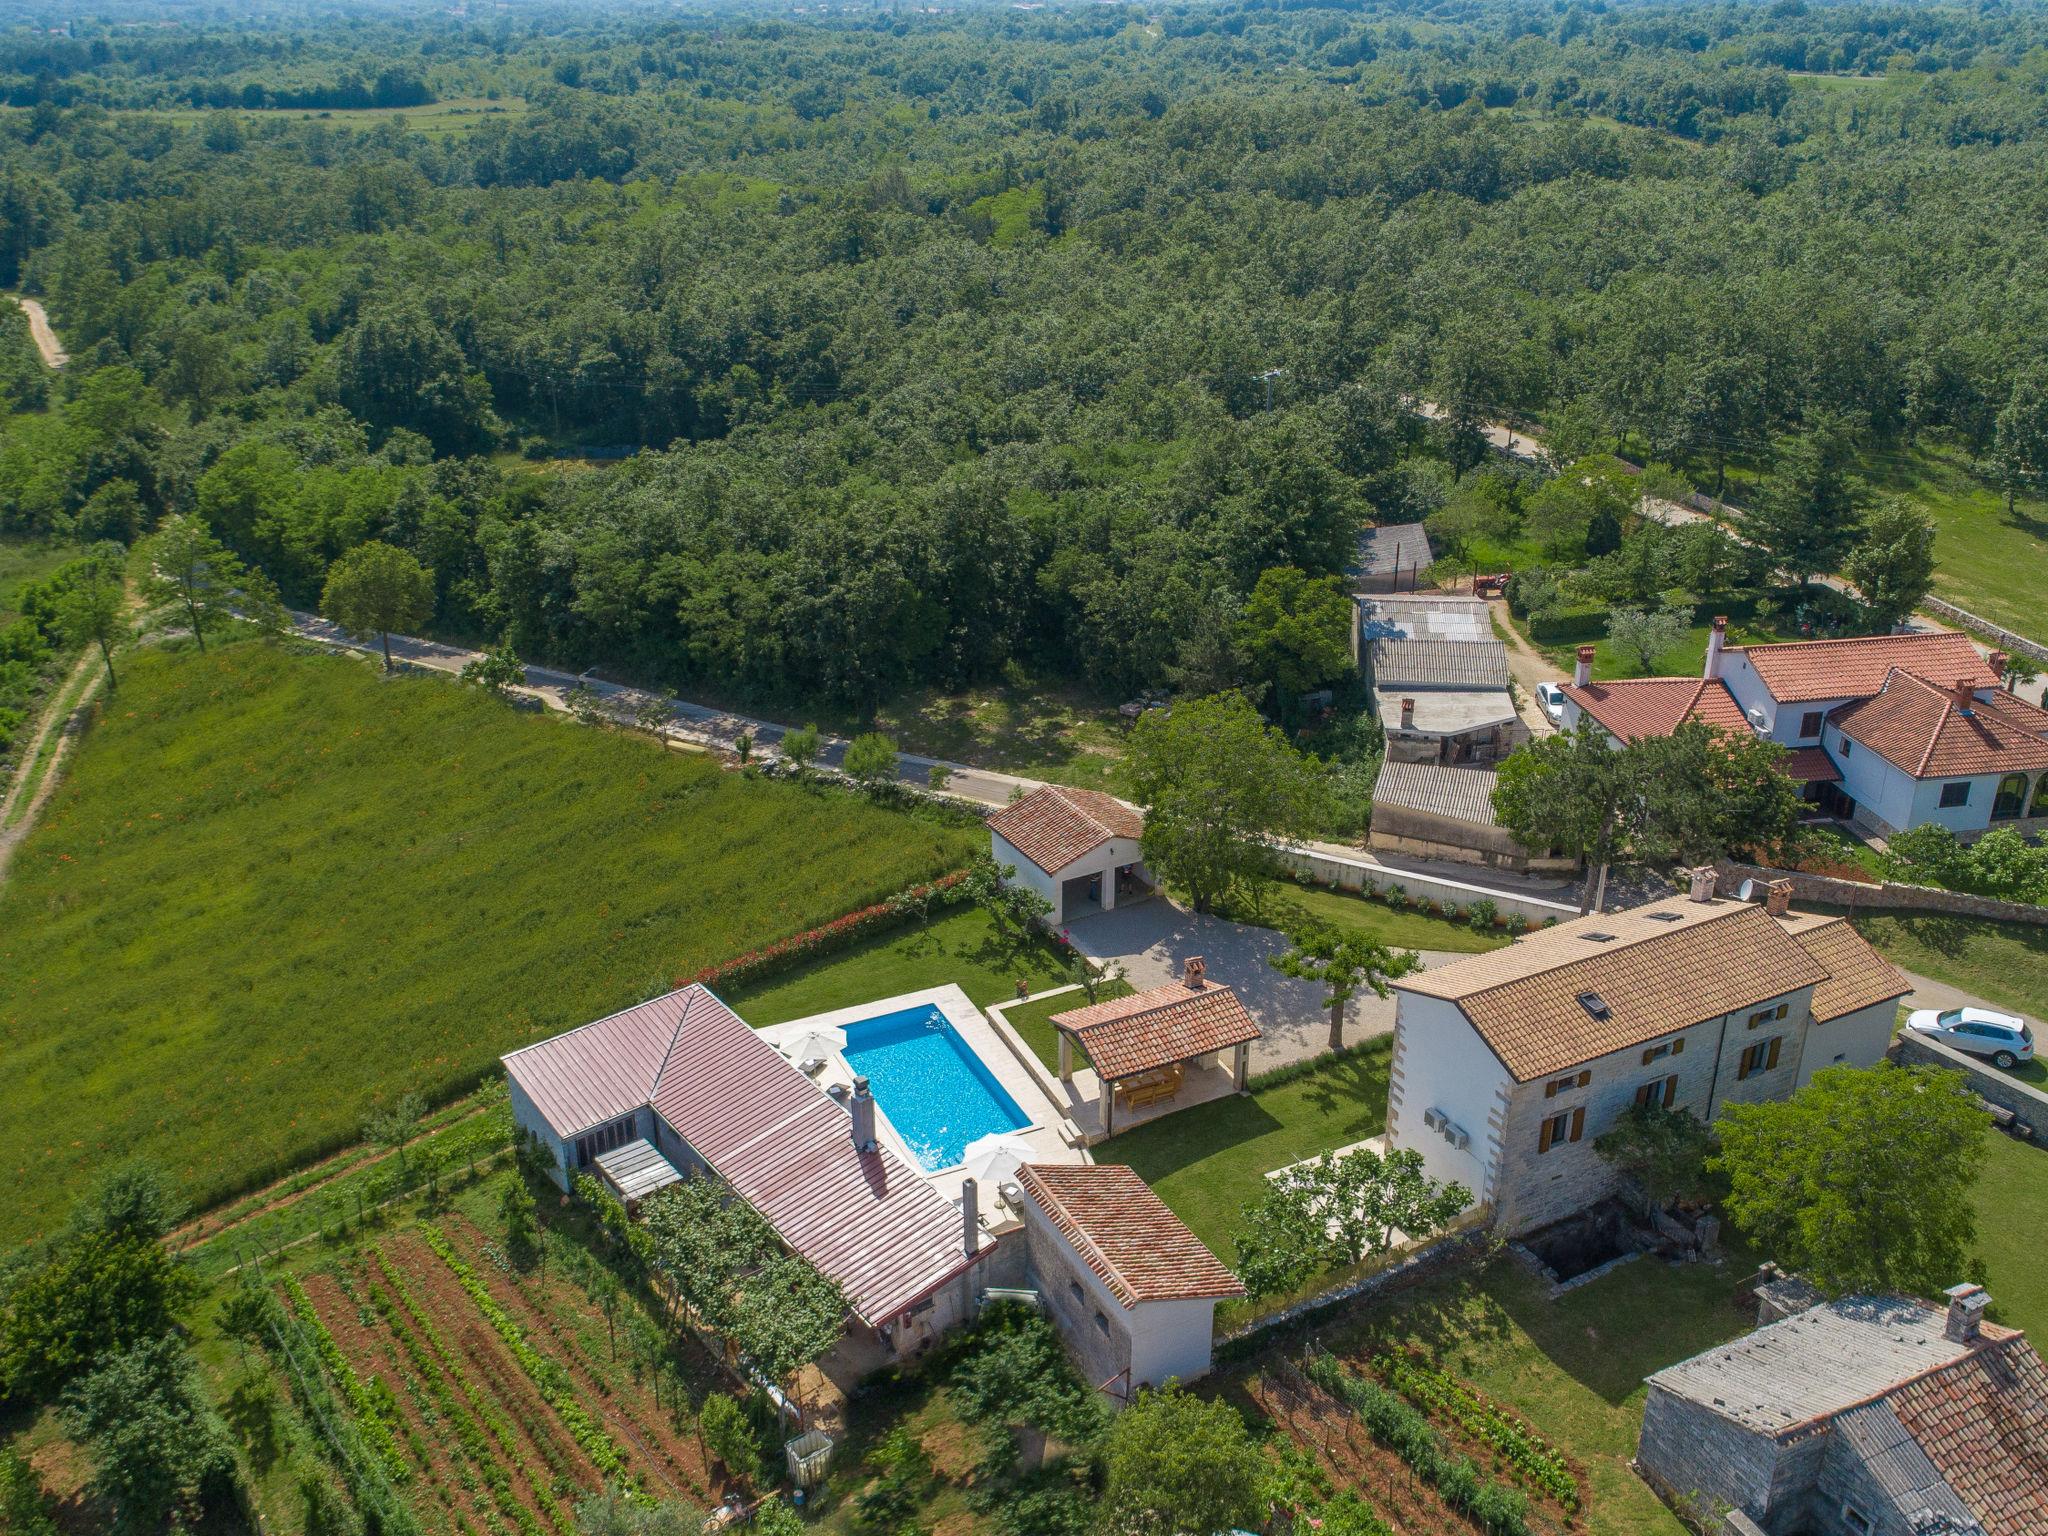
(995, 1157)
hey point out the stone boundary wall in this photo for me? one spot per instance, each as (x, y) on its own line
(1358, 875)
(2032, 649)
(2026, 1102)
(1472, 1240)
(1888, 897)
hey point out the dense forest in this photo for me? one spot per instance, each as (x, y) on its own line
(822, 352)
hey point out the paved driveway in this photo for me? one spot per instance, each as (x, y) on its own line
(1152, 940)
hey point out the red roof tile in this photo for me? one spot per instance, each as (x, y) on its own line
(1800, 671)
(1915, 724)
(1054, 825)
(1125, 1233)
(1983, 1422)
(866, 1219)
(1158, 1027)
(1858, 976)
(1653, 706)
(1810, 765)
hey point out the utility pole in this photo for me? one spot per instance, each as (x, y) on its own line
(1269, 376)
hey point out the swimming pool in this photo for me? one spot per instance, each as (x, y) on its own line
(930, 1084)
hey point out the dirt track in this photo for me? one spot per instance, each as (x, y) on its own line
(39, 327)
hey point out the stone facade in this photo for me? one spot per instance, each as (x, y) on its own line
(1888, 897)
(1698, 1461)
(1418, 834)
(1536, 1187)
(1091, 1325)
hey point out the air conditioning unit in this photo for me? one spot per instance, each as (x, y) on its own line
(1434, 1119)
(1757, 717)
(1459, 1139)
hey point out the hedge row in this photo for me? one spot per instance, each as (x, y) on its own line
(840, 933)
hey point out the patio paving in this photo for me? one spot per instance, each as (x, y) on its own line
(1153, 939)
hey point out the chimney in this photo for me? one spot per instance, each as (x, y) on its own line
(1778, 897)
(1999, 663)
(1964, 696)
(1584, 672)
(970, 1217)
(1702, 882)
(863, 1107)
(1194, 973)
(1716, 638)
(1407, 714)
(1966, 1304)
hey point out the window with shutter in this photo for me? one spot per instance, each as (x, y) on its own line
(1670, 1089)
(1585, 1078)
(1578, 1122)
(1772, 1059)
(1678, 1046)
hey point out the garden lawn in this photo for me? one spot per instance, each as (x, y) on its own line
(959, 945)
(1985, 559)
(2012, 1213)
(2005, 963)
(274, 889)
(1033, 1021)
(1209, 1162)
(1291, 907)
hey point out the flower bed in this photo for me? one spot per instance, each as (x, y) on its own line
(840, 933)
(1478, 1416)
(551, 1380)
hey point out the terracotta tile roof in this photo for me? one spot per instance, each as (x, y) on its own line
(1653, 706)
(1054, 825)
(1914, 724)
(1661, 968)
(1125, 1233)
(1800, 671)
(1810, 765)
(1983, 1423)
(1158, 1027)
(1858, 975)
(866, 1219)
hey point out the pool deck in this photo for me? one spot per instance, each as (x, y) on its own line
(1049, 1142)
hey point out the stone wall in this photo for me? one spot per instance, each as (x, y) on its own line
(1356, 874)
(2027, 1103)
(1699, 1462)
(1888, 897)
(2007, 638)
(1419, 834)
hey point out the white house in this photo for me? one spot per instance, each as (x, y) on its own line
(1508, 1065)
(1078, 848)
(1133, 1291)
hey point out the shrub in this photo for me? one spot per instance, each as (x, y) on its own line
(729, 1438)
(840, 933)
(1483, 914)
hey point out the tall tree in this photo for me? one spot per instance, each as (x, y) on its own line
(1572, 791)
(191, 568)
(1296, 631)
(1808, 511)
(1219, 787)
(95, 605)
(2019, 445)
(376, 588)
(1179, 1465)
(160, 1454)
(1863, 1180)
(1646, 635)
(1893, 566)
(1343, 962)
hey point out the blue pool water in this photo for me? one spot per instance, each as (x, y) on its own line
(933, 1088)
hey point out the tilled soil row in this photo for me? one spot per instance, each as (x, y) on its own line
(1332, 1434)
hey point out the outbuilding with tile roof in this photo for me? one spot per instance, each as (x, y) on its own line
(1077, 848)
(1868, 1416)
(1133, 1290)
(1151, 1034)
(1508, 1065)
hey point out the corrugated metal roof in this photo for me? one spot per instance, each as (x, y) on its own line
(1458, 794)
(637, 1169)
(866, 1219)
(1392, 547)
(1897, 1465)
(1439, 664)
(1430, 617)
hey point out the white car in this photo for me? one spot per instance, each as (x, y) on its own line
(2004, 1039)
(1551, 697)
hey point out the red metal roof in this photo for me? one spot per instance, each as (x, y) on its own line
(866, 1219)
(1800, 671)
(1915, 724)
(1054, 825)
(1635, 707)
(1125, 1233)
(1158, 1027)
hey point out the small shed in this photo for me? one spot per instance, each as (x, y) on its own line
(1391, 558)
(1141, 1045)
(635, 1171)
(1077, 848)
(1438, 811)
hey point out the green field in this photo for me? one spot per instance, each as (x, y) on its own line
(1985, 559)
(2006, 963)
(275, 888)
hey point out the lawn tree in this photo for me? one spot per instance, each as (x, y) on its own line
(800, 747)
(652, 713)
(186, 565)
(1863, 1180)
(1573, 792)
(376, 588)
(1807, 512)
(1893, 565)
(584, 706)
(938, 777)
(1343, 962)
(2019, 447)
(870, 760)
(93, 610)
(1012, 906)
(391, 1126)
(1709, 793)
(1219, 787)
(1180, 1465)
(1338, 1211)
(1644, 635)
(498, 670)
(1662, 1154)
(160, 1454)
(1296, 633)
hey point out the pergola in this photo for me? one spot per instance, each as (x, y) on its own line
(1139, 1045)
